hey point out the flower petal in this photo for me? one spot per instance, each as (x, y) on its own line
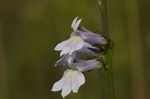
(66, 89)
(73, 44)
(62, 61)
(65, 50)
(93, 38)
(87, 51)
(78, 45)
(61, 45)
(86, 65)
(78, 80)
(87, 45)
(58, 85)
(75, 24)
(67, 59)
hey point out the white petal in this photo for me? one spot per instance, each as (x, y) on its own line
(58, 85)
(77, 25)
(66, 89)
(71, 59)
(78, 80)
(65, 51)
(72, 46)
(61, 45)
(79, 45)
(74, 22)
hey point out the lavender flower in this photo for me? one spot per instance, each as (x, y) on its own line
(87, 35)
(93, 38)
(71, 81)
(86, 65)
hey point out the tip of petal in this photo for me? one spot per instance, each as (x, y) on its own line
(56, 87)
(60, 45)
(58, 48)
(77, 81)
(76, 23)
(74, 20)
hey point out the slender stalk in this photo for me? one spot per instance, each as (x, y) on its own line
(103, 6)
(110, 74)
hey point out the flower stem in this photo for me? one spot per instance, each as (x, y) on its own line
(103, 7)
(110, 74)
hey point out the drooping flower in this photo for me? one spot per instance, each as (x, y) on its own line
(71, 81)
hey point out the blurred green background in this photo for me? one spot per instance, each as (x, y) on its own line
(30, 29)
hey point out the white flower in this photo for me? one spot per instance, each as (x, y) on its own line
(71, 81)
(71, 45)
(75, 24)
(74, 43)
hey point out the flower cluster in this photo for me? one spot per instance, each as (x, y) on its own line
(81, 42)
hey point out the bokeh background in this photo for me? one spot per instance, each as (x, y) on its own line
(30, 29)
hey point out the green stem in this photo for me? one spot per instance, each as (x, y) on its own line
(110, 74)
(103, 6)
